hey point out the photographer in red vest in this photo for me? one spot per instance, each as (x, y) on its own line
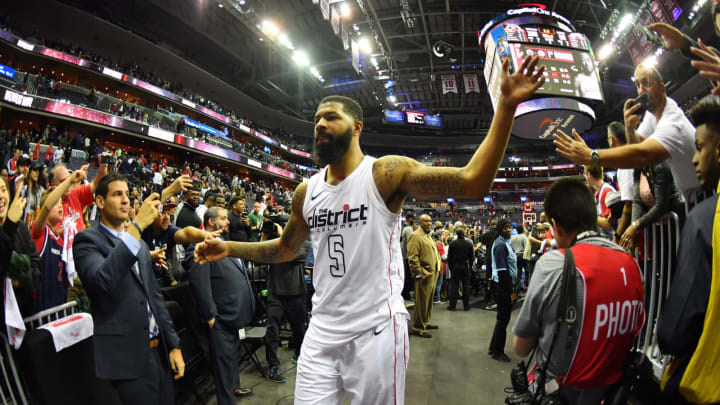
(588, 359)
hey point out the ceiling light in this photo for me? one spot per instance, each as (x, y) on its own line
(442, 49)
(626, 20)
(650, 61)
(301, 58)
(285, 41)
(270, 28)
(365, 45)
(605, 51)
(220, 5)
(344, 10)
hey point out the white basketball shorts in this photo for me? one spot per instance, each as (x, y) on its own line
(368, 370)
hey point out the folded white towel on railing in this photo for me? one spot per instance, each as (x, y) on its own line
(13, 319)
(70, 330)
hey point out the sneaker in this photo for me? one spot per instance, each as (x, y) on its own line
(275, 375)
(240, 392)
(491, 306)
(437, 302)
(502, 357)
(295, 358)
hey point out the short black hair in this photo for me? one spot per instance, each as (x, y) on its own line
(571, 203)
(104, 184)
(210, 196)
(707, 112)
(350, 106)
(617, 131)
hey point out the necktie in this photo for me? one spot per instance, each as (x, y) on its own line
(153, 329)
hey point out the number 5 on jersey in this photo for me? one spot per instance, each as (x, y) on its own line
(337, 257)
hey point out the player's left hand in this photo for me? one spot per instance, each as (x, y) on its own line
(574, 150)
(519, 86)
(211, 250)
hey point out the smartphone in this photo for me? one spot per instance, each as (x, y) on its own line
(197, 185)
(244, 215)
(107, 160)
(643, 100)
(654, 38)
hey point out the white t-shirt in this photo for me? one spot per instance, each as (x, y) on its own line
(677, 135)
(625, 184)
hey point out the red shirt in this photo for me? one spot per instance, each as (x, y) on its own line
(603, 209)
(79, 198)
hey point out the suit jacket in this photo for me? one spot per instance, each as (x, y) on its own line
(423, 256)
(460, 254)
(222, 290)
(119, 300)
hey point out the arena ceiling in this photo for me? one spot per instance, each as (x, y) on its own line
(226, 38)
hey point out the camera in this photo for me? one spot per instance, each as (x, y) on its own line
(643, 100)
(107, 159)
(653, 37)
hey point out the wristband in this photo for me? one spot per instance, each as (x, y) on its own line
(636, 224)
(140, 231)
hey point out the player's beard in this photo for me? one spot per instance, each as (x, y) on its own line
(331, 152)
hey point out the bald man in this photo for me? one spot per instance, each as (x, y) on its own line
(664, 133)
(424, 261)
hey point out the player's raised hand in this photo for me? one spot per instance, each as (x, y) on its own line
(519, 86)
(211, 250)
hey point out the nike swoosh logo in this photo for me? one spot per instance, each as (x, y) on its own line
(377, 332)
(315, 196)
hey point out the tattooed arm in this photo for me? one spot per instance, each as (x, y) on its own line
(399, 176)
(279, 250)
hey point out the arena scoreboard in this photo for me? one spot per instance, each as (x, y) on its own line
(572, 82)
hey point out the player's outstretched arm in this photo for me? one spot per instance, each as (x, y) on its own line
(280, 250)
(407, 176)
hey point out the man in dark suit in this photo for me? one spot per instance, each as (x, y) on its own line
(225, 299)
(135, 340)
(460, 255)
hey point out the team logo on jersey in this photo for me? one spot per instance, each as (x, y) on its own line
(323, 219)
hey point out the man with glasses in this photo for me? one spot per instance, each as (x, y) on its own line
(664, 134)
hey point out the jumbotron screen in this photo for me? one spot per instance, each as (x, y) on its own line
(568, 72)
(570, 67)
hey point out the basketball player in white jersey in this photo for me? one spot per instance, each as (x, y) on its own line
(357, 343)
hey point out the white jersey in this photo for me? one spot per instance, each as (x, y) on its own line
(358, 274)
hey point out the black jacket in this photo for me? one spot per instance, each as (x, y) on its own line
(222, 290)
(460, 254)
(188, 217)
(120, 298)
(28, 278)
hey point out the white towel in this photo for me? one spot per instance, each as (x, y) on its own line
(69, 232)
(70, 330)
(13, 319)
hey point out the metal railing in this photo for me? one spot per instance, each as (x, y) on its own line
(661, 240)
(50, 315)
(12, 391)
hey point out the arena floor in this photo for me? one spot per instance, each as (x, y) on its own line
(451, 368)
